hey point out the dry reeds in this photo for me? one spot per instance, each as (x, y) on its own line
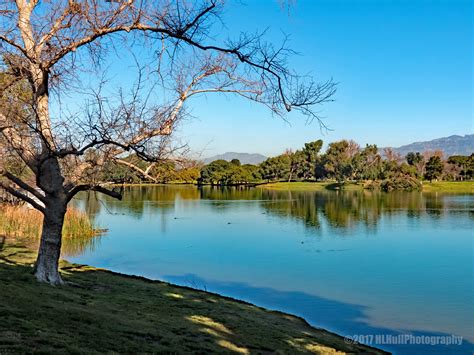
(25, 223)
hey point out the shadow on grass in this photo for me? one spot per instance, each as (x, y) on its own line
(342, 318)
(101, 311)
(13, 254)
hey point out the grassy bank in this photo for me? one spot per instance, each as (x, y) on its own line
(442, 186)
(449, 186)
(101, 311)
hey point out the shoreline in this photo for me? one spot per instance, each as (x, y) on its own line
(437, 186)
(101, 310)
(427, 187)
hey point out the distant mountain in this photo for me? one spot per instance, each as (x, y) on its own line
(452, 145)
(245, 158)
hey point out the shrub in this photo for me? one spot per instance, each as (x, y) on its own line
(372, 185)
(406, 183)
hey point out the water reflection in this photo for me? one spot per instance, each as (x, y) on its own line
(71, 246)
(341, 210)
(347, 210)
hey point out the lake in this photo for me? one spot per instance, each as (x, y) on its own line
(355, 263)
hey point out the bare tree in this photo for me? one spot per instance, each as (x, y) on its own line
(392, 156)
(46, 45)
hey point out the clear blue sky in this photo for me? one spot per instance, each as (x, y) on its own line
(404, 69)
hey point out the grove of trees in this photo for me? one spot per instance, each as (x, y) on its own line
(222, 172)
(344, 161)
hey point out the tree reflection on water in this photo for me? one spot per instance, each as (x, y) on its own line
(343, 210)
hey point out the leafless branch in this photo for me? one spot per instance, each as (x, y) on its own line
(22, 196)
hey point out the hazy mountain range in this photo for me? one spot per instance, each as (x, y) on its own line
(245, 158)
(452, 145)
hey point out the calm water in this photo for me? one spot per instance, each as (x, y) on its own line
(353, 263)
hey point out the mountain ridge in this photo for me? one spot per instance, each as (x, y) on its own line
(450, 145)
(245, 158)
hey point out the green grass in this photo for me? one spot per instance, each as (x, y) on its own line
(101, 311)
(449, 186)
(441, 186)
(310, 186)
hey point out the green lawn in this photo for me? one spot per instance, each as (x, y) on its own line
(449, 186)
(442, 186)
(101, 311)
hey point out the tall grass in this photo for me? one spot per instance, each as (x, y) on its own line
(26, 224)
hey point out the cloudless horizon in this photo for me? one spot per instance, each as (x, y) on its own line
(404, 73)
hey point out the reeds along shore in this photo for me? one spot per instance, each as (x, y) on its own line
(25, 224)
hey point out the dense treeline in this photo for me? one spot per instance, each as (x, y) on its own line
(222, 172)
(341, 162)
(344, 161)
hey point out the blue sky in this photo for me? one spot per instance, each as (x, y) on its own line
(404, 70)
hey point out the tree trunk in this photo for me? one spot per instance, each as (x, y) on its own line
(46, 267)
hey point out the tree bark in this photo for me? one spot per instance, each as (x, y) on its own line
(47, 262)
